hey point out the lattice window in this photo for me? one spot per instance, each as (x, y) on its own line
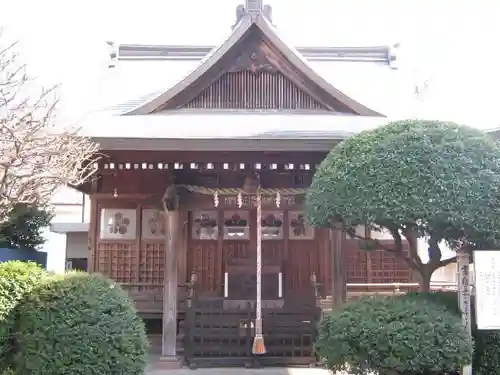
(357, 266)
(387, 268)
(152, 264)
(118, 261)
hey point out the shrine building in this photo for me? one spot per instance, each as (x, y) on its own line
(191, 173)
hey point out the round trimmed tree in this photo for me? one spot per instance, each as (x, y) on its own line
(414, 179)
(79, 324)
(393, 335)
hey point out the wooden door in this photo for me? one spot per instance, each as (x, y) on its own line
(203, 255)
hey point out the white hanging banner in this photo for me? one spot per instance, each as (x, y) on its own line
(487, 288)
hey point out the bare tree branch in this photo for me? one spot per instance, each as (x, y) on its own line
(36, 155)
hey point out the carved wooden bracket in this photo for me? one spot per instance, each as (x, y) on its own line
(170, 199)
(254, 61)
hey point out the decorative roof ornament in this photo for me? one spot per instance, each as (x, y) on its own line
(253, 8)
(113, 53)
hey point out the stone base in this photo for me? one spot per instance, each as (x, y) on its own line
(168, 363)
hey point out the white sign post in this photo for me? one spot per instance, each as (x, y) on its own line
(487, 288)
(464, 297)
(464, 289)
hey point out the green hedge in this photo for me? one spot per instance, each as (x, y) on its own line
(16, 279)
(393, 335)
(486, 359)
(80, 324)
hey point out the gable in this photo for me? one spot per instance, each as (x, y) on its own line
(251, 81)
(254, 70)
(254, 90)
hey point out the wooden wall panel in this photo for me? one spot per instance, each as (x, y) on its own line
(273, 252)
(205, 261)
(324, 275)
(357, 265)
(303, 260)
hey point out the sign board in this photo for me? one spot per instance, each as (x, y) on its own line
(487, 276)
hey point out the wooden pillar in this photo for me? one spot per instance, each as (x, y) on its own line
(170, 283)
(92, 236)
(182, 249)
(339, 279)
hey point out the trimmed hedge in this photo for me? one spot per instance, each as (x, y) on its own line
(394, 335)
(16, 279)
(80, 324)
(486, 359)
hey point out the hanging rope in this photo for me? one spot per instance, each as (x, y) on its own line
(235, 191)
(259, 346)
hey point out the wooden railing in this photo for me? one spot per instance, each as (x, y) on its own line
(149, 297)
(354, 289)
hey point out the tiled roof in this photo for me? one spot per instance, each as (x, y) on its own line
(365, 74)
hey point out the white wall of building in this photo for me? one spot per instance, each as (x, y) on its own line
(69, 207)
(77, 245)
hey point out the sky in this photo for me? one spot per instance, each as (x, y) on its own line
(448, 43)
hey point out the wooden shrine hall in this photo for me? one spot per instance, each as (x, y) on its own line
(198, 208)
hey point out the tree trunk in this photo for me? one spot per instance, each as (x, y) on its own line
(425, 278)
(425, 284)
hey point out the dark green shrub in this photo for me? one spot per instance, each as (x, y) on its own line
(80, 324)
(446, 299)
(393, 335)
(16, 279)
(486, 359)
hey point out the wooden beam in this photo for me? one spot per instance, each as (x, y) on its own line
(339, 279)
(169, 334)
